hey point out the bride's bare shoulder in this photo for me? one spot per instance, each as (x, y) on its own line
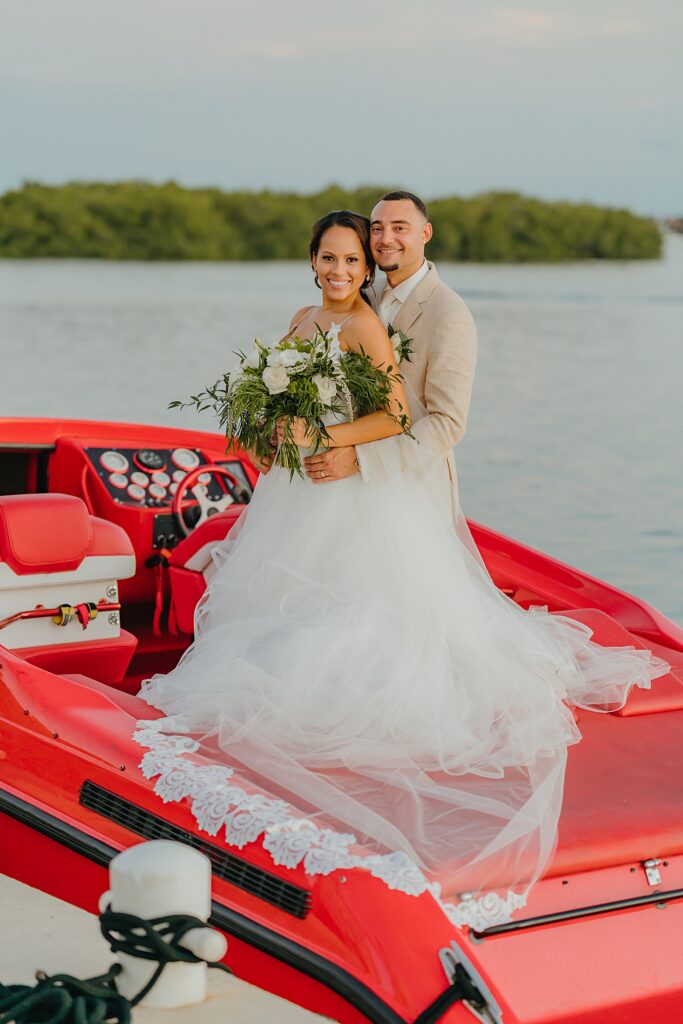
(366, 331)
(363, 324)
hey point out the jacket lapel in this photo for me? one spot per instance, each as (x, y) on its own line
(412, 307)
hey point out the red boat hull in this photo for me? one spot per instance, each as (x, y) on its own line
(600, 942)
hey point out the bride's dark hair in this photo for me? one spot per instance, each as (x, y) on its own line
(345, 219)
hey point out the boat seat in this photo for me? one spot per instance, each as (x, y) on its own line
(53, 553)
(666, 693)
(191, 566)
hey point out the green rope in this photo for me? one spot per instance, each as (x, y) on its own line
(62, 999)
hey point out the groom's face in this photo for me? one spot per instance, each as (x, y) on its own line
(398, 235)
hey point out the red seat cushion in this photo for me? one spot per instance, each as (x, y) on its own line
(187, 585)
(109, 539)
(42, 533)
(666, 693)
(187, 588)
(215, 529)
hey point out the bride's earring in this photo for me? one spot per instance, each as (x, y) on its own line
(315, 278)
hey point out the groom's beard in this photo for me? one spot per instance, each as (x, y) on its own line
(388, 268)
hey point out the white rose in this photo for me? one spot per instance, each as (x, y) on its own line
(290, 357)
(275, 358)
(253, 360)
(327, 389)
(276, 379)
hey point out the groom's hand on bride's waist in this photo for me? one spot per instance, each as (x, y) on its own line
(334, 464)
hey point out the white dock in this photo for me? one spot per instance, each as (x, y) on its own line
(43, 933)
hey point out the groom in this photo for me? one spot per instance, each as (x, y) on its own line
(410, 295)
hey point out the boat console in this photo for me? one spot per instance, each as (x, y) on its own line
(150, 487)
(150, 477)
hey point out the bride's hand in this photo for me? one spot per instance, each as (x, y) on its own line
(299, 432)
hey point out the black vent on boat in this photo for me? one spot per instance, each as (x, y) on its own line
(241, 873)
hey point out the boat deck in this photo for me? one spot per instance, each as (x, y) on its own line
(62, 939)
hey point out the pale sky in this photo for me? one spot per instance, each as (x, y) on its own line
(568, 99)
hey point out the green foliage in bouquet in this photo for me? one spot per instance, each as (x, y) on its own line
(311, 379)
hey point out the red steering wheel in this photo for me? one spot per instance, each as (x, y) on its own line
(207, 508)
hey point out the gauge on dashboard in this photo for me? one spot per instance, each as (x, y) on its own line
(185, 459)
(174, 487)
(178, 475)
(118, 480)
(141, 479)
(114, 462)
(163, 479)
(149, 459)
(157, 491)
(136, 492)
(204, 478)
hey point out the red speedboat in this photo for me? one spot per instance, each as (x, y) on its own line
(105, 538)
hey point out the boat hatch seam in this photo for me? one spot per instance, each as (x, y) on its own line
(235, 870)
(579, 912)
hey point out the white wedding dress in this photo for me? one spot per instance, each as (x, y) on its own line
(355, 663)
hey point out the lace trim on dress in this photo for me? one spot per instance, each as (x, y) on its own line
(218, 802)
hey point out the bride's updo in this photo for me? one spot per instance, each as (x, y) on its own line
(346, 219)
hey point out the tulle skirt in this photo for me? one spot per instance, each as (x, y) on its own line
(354, 661)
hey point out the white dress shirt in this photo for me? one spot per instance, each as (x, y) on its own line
(393, 298)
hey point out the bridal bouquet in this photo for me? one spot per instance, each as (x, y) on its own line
(298, 377)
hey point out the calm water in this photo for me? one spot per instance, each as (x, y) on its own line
(574, 440)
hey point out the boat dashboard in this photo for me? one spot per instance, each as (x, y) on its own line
(150, 477)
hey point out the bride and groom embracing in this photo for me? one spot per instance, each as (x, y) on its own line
(406, 293)
(352, 654)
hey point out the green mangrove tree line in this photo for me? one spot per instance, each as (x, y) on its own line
(135, 220)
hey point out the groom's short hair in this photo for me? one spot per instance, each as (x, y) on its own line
(400, 194)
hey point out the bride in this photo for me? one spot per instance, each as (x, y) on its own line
(354, 659)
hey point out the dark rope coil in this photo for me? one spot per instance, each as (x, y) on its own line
(62, 999)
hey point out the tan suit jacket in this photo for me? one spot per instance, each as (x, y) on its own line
(440, 372)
